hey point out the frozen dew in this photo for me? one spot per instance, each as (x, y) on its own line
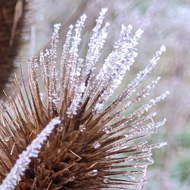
(96, 144)
(72, 178)
(82, 128)
(6, 139)
(48, 144)
(41, 95)
(58, 150)
(117, 63)
(138, 33)
(160, 145)
(41, 57)
(146, 107)
(152, 120)
(56, 28)
(107, 129)
(93, 172)
(55, 37)
(130, 27)
(72, 110)
(110, 157)
(151, 160)
(106, 180)
(128, 135)
(138, 97)
(131, 175)
(163, 48)
(167, 93)
(149, 148)
(73, 55)
(161, 123)
(96, 43)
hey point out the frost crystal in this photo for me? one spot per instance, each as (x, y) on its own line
(93, 172)
(82, 128)
(116, 64)
(96, 144)
(96, 43)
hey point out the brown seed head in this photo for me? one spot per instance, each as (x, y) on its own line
(74, 138)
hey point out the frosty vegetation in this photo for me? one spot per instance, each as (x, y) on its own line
(95, 144)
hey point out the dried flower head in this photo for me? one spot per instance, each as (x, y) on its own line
(61, 133)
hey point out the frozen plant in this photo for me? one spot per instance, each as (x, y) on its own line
(93, 144)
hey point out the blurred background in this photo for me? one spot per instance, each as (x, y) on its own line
(164, 22)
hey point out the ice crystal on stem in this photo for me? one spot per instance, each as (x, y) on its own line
(24, 159)
(86, 149)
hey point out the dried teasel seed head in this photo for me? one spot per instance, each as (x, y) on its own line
(61, 132)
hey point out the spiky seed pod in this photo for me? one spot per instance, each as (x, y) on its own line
(93, 144)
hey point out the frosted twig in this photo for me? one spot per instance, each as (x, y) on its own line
(24, 159)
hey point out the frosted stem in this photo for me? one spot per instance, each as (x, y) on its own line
(24, 159)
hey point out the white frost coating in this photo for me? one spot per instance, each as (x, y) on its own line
(143, 94)
(138, 112)
(24, 159)
(47, 62)
(117, 63)
(148, 148)
(139, 32)
(72, 110)
(144, 73)
(144, 130)
(96, 43)
(73, 53)
(66, 45)
(55, 39)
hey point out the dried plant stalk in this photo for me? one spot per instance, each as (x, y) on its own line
(96, 145)
(10, 30)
